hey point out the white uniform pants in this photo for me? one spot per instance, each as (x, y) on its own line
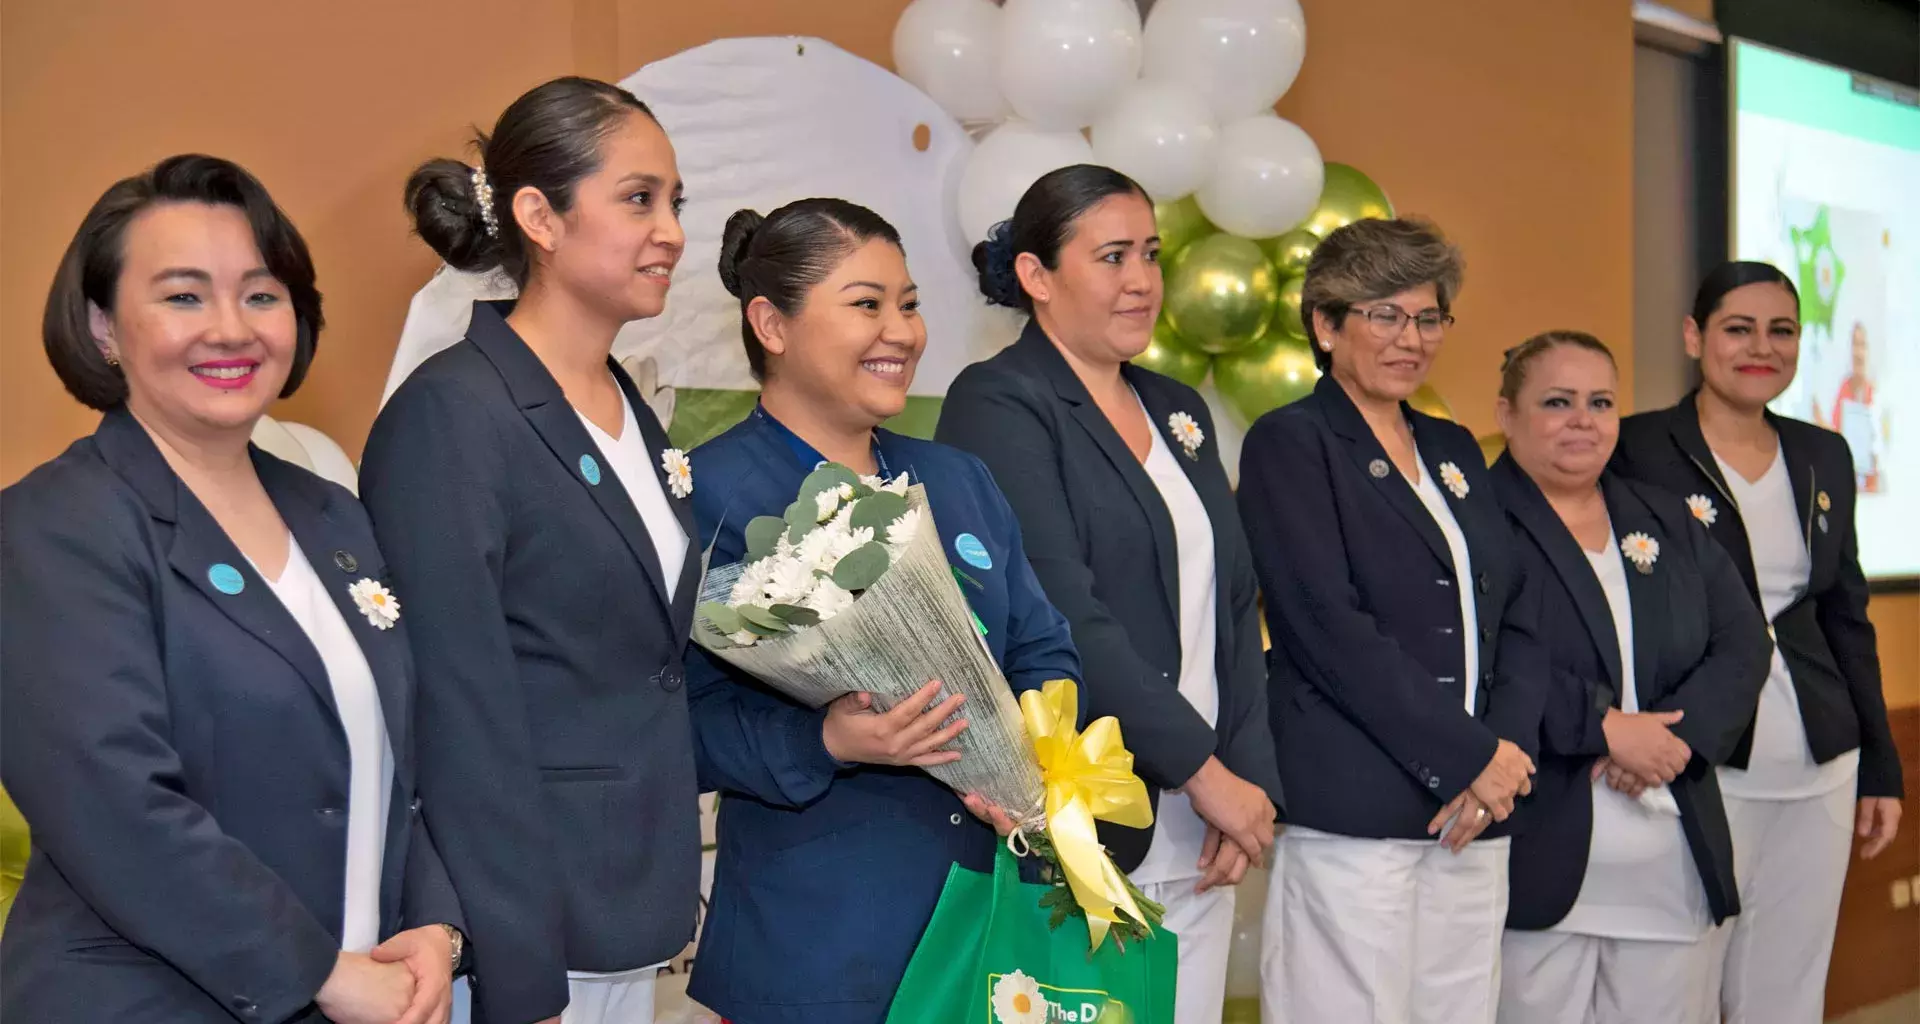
(1790, 857)
(626, 999)
(1563, 978)
(1372, 931)
(1203, 924)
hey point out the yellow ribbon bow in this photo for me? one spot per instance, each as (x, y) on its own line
(1088, 775)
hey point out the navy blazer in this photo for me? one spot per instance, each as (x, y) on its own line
(1697, 648)
(1102, 543)
(827, 874)
(176, 750)
(1825, 637)
(1367, 659)
(554, 740)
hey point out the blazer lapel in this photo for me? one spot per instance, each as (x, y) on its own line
(1646, 590)
(1366, 451)
(1038, 349)
(685, 590)
(1535, 515)
(1806, 485)
(546, 408)
(342, 555)
(1728, 527)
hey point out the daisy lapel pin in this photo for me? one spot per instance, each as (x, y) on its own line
(1825, 504)
(1455, 480)
(376, 602)
(1641, 550)
(1188, 433)
(1702, 508)
(679, 471)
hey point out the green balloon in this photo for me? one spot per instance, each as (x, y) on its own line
(1286, 319)
(1221, 293)
(1346, 197)
(1169, 355)
(1181, 224)
(1291, 251)
(1265, 375)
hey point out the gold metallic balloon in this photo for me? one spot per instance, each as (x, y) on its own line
(1181, 224)
(1428, 400)
(1291, 251)
(1221, 293)
(1347, 196)
(1286, 319)
(1169, 355)
(14, 849)
(1265, 375)
(1492, 445)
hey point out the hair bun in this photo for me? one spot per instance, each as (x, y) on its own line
(447, 216)
(735, 239)
(993, 260)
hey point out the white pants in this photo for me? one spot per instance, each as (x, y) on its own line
(1203, 924)
(1790, 857)
(627, 999)
(1371, 931)
(1562, 978)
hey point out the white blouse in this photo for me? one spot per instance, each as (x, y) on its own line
(1781, 765)
(370, 754)
(1179, 833)
(1442, 514)
(633, 465)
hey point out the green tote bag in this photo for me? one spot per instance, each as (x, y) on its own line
(989, 957)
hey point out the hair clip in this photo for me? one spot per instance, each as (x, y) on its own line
(483, 195)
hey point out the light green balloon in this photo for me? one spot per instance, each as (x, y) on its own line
(1291, 251)
(1346, 197)
(14, 851)
(1428, 400)
(1286, 318)
(1181, 224)
(1221, 293)
(1265, 375)
(1169, 355)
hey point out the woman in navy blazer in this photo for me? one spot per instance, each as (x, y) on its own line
(1626, 862)
(519, 482)
(1406, 679)
(1134, 534)
(208, 692)
(1816, 756)
(834, 844)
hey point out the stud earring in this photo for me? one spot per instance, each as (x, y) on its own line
(112, 360)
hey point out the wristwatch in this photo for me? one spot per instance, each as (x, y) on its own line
(458, 942)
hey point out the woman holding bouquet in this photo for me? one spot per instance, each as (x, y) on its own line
(834, 844)
(1137, 541)
(1406, 676)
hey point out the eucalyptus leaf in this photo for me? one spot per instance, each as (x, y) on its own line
(763, 535)
(832, 474)
(724, 619)
(861, 567)
(760, 620)
(878, 511)
(795, 615)
(800, 521)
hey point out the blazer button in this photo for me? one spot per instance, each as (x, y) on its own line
(1433, 782)
(244, 1007)
(669, 679)
(415, 806)
(1444, 583)
(1486, 635)
(331, 813)
(955, 819)
(1485, 587)
(1487, 677)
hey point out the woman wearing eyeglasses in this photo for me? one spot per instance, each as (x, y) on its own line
(1405, 697)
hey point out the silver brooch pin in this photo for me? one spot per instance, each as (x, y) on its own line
(1378, 468)
(1822, 522)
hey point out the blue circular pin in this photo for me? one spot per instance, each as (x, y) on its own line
(590, 469)
(974, 552)
(226, 579)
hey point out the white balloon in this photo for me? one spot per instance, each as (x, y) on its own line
(1266, 177)
(1242, 55)
(1158, 133)
(950, 49)
(1062, 61)
(1011, 158)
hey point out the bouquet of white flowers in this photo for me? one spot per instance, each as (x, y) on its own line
(849, 590)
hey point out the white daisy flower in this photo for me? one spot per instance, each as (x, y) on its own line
(897, 485)
(679, 471)
(828, 599)
(744, 638)
(1017, 1000)
(376, 602)
(788, 582)
(844, 544)
(1702, 508)
(1455, 480)
(901, 531)
(828, 501)
(1641, 550)
(1187, 431)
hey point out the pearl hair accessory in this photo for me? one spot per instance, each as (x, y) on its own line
(483, 195)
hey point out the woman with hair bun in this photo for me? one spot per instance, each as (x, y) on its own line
(1113, 473)
(538, 520)
(834, 843)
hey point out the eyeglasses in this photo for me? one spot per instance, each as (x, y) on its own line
(1387, 322)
